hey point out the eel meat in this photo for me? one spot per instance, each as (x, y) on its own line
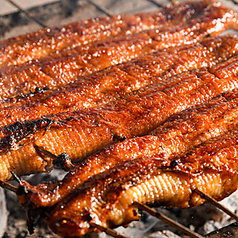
(81, 133)
(116, 82)
(181, 24)
(179, 134)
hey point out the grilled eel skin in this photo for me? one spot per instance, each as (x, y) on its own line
(193, 23)
(177, 135)
(57, 70)
(49, 40)
(44, 42)
(84, 132)
(116, 82)
(108, 198)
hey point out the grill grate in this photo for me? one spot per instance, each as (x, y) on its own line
(27, 14)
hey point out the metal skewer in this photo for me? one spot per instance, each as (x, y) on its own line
(107, 230)
(168, 220)
(216, 204)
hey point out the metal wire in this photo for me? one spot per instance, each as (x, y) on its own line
(109, 13)
(27, 14)
(100, 8)
(235, 1)
(155, 3)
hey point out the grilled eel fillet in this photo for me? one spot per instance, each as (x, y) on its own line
(107, 199)
(179, 134)
(194, 22)
(50, 40)
(84, 132)
(116, 82)
(44, 42)
(163, 185)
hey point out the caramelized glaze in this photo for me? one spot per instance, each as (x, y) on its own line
(116, 82)
(184, 23)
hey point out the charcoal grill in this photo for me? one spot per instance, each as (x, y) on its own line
(63, 12)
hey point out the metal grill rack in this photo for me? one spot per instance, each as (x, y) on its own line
(62, 12)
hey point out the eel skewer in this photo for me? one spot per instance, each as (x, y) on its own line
(106, 229)
(108, 198)
(179, 134)
(84, 132)
(118, 81)
(110, 201)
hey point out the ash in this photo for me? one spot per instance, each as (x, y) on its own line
(203, 219)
